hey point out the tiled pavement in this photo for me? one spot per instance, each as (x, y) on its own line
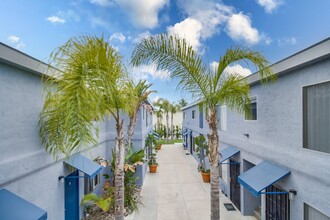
(177, 191)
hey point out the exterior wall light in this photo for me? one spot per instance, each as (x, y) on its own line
(61, 178)
(247, 135)
(292, 194)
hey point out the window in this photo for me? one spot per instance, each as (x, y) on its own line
(251, 113)
(91, 183)
(312, 214)
(201, 118)
(316, 117)
(193, 114)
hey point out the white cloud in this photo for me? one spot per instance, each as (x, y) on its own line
(55, 19)
(143, 13)
(286, 41)
(13, 39)
(239, 28)
(104, 3)
(117, 37)
(141, 36)
(190, 29)
(269, 5)
(235, 69)
(144, 71)
(203, 21)
(16, 41)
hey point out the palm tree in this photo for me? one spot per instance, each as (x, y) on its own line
(159, 115)
(138, 94)
(173, 108)
(182, 103)
(211, 87)
(90, 85)
(75, 97)
(166, 107)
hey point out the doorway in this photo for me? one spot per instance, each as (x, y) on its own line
(277, 205)
(235, 187)
(71, 193)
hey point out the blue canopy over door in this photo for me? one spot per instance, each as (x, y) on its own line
(261, 176)
(14, 207)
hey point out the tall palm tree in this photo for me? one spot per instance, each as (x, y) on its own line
(166, 107)
(185, 65)
(173, 109)
(90, 85)
(118, 102)
(159, 116)
(182, 103)
(137, 94)
(75, 97)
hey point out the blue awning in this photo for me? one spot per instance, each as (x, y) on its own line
(261, 176)
(85, 165)
(227, 153)
(14, 207)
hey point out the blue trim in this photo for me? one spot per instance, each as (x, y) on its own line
(273, 193)
(85, 165)
(231, 163)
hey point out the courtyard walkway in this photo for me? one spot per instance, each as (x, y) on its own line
(177, 191)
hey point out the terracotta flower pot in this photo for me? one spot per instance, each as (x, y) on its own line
(206, 177)
(153, 168)
(159, 146)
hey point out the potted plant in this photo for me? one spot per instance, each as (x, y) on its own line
(202, 151)
(153, 163)
(159, 146)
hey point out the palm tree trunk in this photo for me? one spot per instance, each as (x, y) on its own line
(213, 141)
(130, 131)
(119, 172)
(172, 128)
(167, 124)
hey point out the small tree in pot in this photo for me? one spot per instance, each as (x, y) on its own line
(202, 152)
(151, 144)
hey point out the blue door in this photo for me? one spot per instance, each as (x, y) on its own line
(71, 206)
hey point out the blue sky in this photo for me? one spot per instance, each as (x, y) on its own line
(277, 28)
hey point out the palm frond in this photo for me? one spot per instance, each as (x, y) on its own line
(234, 92)
(75, 97)
(247, 56)
(177, 56)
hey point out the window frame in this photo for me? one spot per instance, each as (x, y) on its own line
(90, 184)
(304, 124)
(305, 211)
(254, 99)
(193, 112)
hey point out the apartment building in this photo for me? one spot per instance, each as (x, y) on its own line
(275, 160)
(32, 184)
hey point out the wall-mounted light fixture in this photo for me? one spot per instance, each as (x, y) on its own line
(247, 135)
(61, 178)
(292, 193)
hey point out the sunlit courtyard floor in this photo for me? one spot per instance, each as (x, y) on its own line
(177, 191)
